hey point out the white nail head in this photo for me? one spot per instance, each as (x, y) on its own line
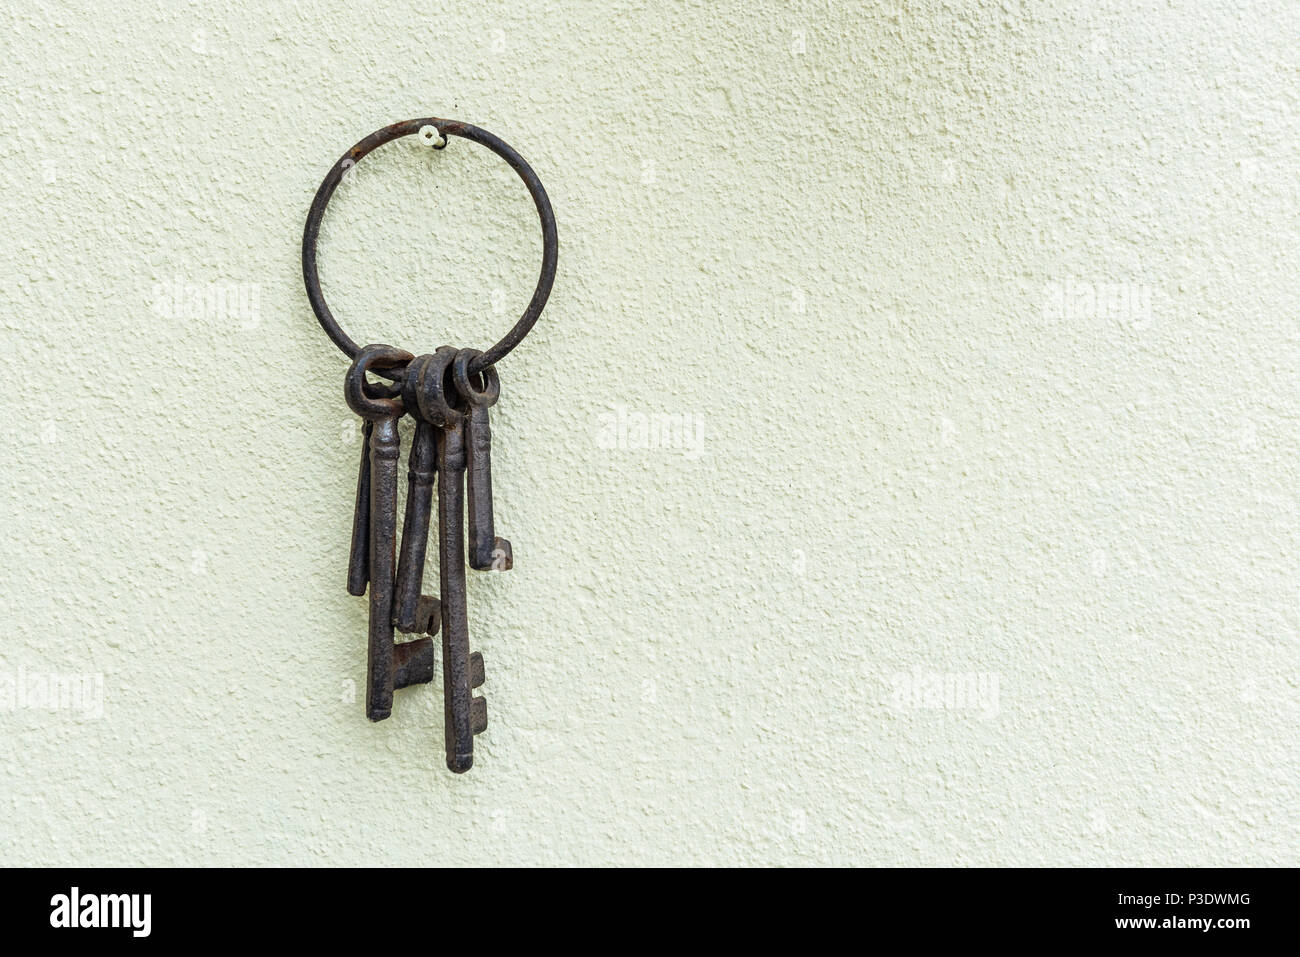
(430, 135)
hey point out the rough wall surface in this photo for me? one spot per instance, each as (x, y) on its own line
(903, 472)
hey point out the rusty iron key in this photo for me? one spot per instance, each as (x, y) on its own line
(465, 714)
(388, 666)
(486, 550)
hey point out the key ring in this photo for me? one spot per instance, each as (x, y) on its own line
(445, 128)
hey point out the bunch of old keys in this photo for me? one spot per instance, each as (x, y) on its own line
(448, 395)
(452, 450)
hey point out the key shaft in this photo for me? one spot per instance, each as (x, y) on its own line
(486, 549)
(384, 452)
(464, 715)
(414, 613)
(480, 392)
(359, 554)
(458, 697)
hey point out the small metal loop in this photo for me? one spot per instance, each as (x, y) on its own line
(364, 399)
(463, 378)
(430, 389)
(446, 128)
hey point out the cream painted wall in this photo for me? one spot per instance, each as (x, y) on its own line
(982, 550)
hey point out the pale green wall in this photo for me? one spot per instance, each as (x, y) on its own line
(830, 238)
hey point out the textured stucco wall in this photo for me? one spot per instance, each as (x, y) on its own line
(984, 316)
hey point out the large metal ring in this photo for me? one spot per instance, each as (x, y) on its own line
(550, 244)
